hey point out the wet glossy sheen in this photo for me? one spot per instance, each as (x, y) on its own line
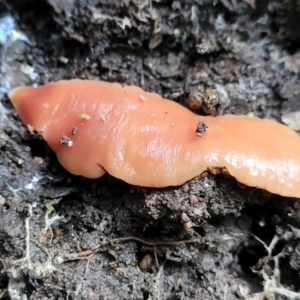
(149, 141)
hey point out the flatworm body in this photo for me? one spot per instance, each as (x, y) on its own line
(149, 141)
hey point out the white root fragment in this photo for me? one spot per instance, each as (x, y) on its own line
(142, 97)
(271, 283)
(85, 117)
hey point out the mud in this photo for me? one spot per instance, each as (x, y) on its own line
(62, 237)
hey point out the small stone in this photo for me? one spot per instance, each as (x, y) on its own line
(2, 200)
(292, 120)
(38, 161)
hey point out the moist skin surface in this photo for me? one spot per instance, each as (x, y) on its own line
(96, 127)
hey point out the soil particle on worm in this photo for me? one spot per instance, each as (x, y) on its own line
(201, 128)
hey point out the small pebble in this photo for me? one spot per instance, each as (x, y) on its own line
(292, 120)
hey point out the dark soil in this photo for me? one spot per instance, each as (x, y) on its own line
(65, 237)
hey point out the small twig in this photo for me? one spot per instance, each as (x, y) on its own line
(86, 253)
(154, 243)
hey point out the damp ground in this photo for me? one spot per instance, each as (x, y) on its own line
(66, 237)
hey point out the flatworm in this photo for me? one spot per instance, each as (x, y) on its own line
(154, 142)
